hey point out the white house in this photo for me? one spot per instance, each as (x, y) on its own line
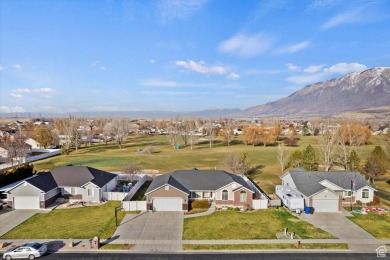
(328, 191)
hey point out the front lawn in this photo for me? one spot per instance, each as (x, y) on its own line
(261, 224)
(83, 223)
(328, 246)
(375, 224)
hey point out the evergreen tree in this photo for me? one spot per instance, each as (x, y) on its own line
(353, 161)
(296, 158)
(376, 164)
(309, 161)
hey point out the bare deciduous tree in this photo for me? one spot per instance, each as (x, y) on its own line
(190, 126)
(228, 130)
(119, 130)
(283, 156)
(327, 142)
(131, 170)
(350, 137)
(238, 163)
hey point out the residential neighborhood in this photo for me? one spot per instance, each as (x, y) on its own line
(194, 129)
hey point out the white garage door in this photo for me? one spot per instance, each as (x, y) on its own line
(168, 204)
(26, 202)
(325, 205)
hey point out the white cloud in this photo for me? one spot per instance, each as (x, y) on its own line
(317, 73)
(344, 68)
(292, 67)
(322, 4)
(203, 68)
(17, 66)
(16, 109)
(43, 92)
(160, 83)
(293, 48)
(246, 46)
(313, 68)
(200, 67)
(152, 61)
(103, 68)
(16, 95)
(352, 16)
(306, 78)
(179, 9)
(21, 90)
(172, 84)
(233, 76)
(1, 68)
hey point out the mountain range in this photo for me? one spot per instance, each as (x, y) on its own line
(353, 92)
(366, 93)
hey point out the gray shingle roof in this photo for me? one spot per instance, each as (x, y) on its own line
(193, 180)
(43, 181)
(308, 182)
(70, 176)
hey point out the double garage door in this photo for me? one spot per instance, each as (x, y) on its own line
(326, 205)
(168, 204)
(26, 202)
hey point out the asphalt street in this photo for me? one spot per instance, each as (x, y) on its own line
(212, 256)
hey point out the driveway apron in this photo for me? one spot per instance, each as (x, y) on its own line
(151, 226)
(337, 225)
(12, 218)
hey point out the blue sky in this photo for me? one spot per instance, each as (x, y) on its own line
(68, 56)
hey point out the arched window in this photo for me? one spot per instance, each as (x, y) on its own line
(225, 195)
(242, 196)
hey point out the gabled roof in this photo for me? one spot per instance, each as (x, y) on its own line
(101, 178)
(72, 176)
(69, 176)
(308, 182)
(196, 180)
(44, 181)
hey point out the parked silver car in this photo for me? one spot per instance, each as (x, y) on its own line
(29, 250)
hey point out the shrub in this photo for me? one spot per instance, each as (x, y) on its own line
(16, 174)
(200, 204)
(375, 202)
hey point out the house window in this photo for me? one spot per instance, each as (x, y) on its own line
(90, 192)
(225, 195)
(167, 187)
(242, 196)
(365, 193)
(348, 193)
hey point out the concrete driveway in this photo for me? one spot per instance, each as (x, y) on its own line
(11, 218)
(151, 226)
(337, 224)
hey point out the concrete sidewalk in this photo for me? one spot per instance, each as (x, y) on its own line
(210, 210)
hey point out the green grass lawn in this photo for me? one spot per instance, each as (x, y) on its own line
(116, 246)
(111, 158)
(83, 223)
(261, 224)
(265, 246)
(375, 224)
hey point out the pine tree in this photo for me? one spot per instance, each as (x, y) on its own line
(353, 161)
(309, 161)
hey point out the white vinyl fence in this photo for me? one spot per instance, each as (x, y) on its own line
(136, 187)
(133, 205)
(47, 153)
(117, 196)
(128, 205)
(261, 203)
